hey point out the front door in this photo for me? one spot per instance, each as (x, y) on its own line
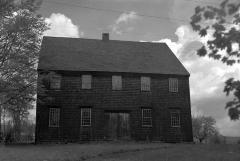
(117, 126)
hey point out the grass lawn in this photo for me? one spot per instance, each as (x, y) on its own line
(120, 151)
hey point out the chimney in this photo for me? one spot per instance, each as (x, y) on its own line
(105, 36)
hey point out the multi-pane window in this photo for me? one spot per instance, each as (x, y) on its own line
(173, 84)
(55, 82)
(175, 118)
(86, 81)
(145, 83)
(54, 117)
(85, 116)
(146, 117)
(116, 82)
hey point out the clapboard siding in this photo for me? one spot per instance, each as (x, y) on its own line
(102, 98)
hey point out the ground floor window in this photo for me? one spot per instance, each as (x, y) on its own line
(54, 117)
(175, 118)
(85, 116)
(147, 117)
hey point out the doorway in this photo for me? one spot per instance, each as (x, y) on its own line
(117, 126)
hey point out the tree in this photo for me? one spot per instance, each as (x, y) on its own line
(21, 30)
(203, 127)
(222, 25)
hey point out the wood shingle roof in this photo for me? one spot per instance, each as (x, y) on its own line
(78, 54)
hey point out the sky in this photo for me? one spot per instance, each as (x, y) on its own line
(155, 21)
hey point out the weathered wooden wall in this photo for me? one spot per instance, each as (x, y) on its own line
(130, 99)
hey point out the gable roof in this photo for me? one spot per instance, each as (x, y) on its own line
(77, 54)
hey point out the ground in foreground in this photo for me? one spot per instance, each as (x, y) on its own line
(120, 152)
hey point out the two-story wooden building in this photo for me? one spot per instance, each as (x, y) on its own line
(109, 89)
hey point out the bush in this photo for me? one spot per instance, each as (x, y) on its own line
(8, 138)
(1, 137)
(215, 139)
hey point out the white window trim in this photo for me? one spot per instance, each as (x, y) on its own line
(143, 109)
(89, 76)
(90, 122)
(172, 86)
(117, 78)
(179, 121)
(145, 87)
(49, 116)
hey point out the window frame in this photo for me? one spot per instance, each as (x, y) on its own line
(52, 113)
(55, 79)
(145, 80)
(173, 85)
(116, 83)
(175, 122)
(85, 84)
(146, 117)
(83, 122)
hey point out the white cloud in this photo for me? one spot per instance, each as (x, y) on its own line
(196, 112)
(185, 36)
(123, 23)
(174, 46)
(62, 26)
(126, 17)
(228, 127)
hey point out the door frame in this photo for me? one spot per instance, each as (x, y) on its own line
(118, 111)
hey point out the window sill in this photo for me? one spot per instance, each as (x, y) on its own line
(173, 91)
(146, 91)
(176, 126)
(87, 89)
(147, 126)
(54, 89)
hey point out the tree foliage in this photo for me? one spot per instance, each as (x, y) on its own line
(21, 30)
(203, 127)
(222, 26)
(233, 86)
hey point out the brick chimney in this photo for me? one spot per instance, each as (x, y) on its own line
(105, 36)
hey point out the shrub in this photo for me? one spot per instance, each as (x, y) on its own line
(9, 138)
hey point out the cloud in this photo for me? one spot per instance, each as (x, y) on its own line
(196, 112)
(228, 127)
(62, 26)
(126, 17)
(123, 23)
(207, 77)
(185, 36)
(174, 46)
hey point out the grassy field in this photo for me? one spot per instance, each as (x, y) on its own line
(120, 151)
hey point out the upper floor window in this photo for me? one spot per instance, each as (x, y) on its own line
(86, 81)
(145, 83)
(55, 82)
(173, 85)
(54, 117)
(175, 118)
(147, 117)
(116, 82)
(86, 116)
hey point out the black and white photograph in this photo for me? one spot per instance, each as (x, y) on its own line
(119, 80)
